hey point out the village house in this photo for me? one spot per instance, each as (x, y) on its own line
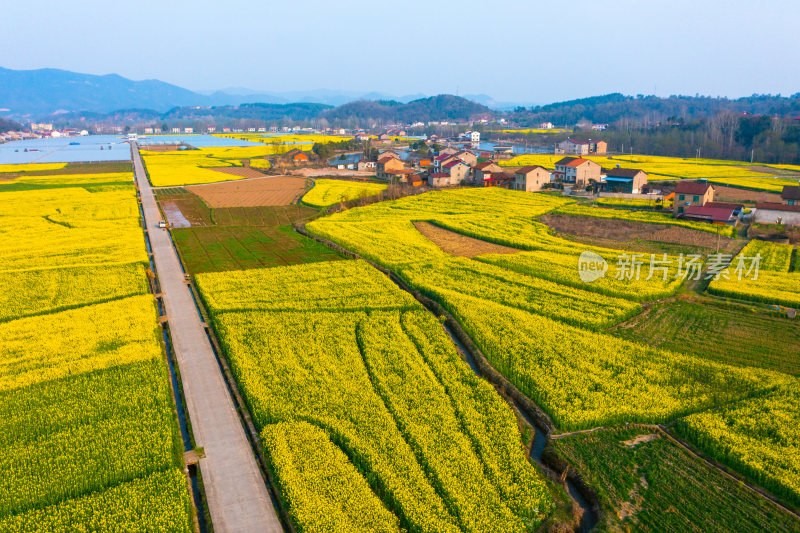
(388, 153)
(791, 195)
(692, 193)
(577, 171)
(458, 171)
(714, 215)
(484, 170)
(774, 213)
(442, 159)
(438, 179)
(626, 180)
(448, 150)
(346, 161)
(504, 180)
(296, 156)
(400, 175)
(366, 165)
(590, 147)
(387, 164)
(531, 178)
(467, 157)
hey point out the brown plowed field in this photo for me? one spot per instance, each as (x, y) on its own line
(732, 194)
(278, 190)
(460, 245)
(245, 172)
(624, 232)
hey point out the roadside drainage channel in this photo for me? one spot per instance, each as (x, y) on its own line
(186, 438)
(588, 516)
(241, 407)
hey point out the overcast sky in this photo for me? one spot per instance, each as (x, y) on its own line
(531, 51)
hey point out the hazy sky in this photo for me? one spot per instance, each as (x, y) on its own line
(531, 51)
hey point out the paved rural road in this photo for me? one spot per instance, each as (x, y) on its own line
(238, 498)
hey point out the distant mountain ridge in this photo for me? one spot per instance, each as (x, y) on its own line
(34, 94)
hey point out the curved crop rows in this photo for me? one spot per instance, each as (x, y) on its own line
(337, 346)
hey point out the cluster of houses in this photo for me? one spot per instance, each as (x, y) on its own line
(694, 200)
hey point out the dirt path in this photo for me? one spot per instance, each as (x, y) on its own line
(237, 495)
(460, 245)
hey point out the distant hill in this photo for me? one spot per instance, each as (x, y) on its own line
(272, 112)
(36, 94)
(615, 106)
(40, 92)
(437, 108)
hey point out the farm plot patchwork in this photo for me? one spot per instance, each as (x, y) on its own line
(326, 193)
(187, 167)
(87, 422)
(646, 217)
(526, 322)
(657, 168)
(236, 238)
(758, 436)
(773, 284)
(358, 366)
(644, 483)
(731, 334)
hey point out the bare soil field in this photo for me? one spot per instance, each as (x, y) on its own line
(246, 172)
(731, 194)
(772, 170)
(625, 232)
(325, 172)
(266, 191)
(460, 245)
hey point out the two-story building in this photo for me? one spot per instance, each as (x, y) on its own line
(590, 147)
(385, 165)
(692, 193)
(531, 178)
(577, 171)
(484, 170)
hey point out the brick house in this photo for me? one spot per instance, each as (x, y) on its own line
(458, 171)
(531, 178)
(582, 147)
(484, 170)
(577, 171)
(692, 193)
(296, 156)
(467, 157)
(387, 164)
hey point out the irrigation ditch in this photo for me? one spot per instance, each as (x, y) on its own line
(587, 512)
(202, 523)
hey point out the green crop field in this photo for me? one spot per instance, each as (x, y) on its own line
(236, 238)
(654, 485)
(732, 334)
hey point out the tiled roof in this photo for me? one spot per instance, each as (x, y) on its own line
(713, 213)
(778, 207)
(623, 172)
(692, 187)
(529, 168)
(791, 192)
(577, 162)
